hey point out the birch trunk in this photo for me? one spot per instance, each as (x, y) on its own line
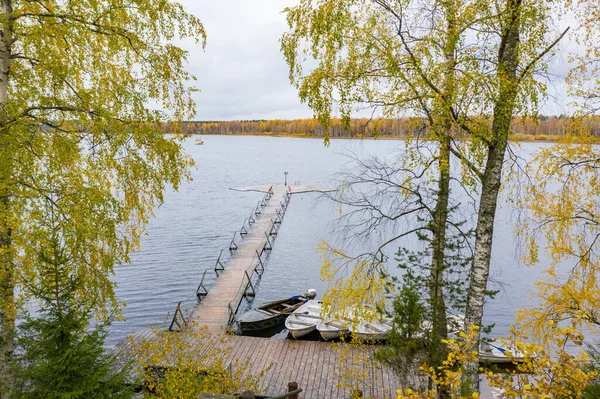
(7, 300)
(508, 58)
(438, 351)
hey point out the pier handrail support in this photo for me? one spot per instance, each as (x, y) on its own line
(232, 245)
(231, 314)
(264, 200)
(251, 219)
(201, 285)
(270, 247)
(260, 262)
(241, 293)
(219, 263)
(257, 210)
(249, 284)
(274, 228)
(175, 321)
(243, 230)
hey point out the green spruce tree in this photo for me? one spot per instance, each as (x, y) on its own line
(60, 353)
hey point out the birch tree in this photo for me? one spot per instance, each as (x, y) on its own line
(77, 79)
(396, 57)
(368, 53)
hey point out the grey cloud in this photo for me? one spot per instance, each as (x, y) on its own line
(242, 74)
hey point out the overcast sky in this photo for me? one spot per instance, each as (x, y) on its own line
(242, 73)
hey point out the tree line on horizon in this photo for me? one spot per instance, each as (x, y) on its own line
(542, 128)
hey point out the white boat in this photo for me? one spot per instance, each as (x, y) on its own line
(304, 320)
(339, 326)
(490, 353)
(332, 329)
(198, 141)
(375, 330)
(456, 324)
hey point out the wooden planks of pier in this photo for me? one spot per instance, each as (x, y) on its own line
(321, 370)
(218, 306)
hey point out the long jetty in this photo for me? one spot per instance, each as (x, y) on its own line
(218, 307)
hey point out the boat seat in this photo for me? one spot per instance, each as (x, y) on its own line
(286, 305)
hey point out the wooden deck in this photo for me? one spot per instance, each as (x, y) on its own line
(222, 301)
(321, 369)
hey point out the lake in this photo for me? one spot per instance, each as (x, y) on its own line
(199, 220)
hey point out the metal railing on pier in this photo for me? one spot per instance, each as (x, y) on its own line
(256, 267)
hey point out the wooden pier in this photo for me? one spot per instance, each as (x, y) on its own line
(323, 370)
(218, 307)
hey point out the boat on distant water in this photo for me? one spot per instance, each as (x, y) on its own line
(198, 141)
(273, 313)
(304, 320)
(489, 353)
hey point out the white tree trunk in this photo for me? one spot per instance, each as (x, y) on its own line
(7, 302)
(508, 59)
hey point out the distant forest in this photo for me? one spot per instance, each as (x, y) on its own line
(545, 128)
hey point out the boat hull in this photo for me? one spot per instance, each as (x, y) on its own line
(263, 324)
(492, 354)
(268, 315)
(329, 332)
(330, 335)
(301, 332)
(376, 330)
(368, 337)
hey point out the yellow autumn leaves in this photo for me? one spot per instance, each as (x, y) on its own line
(183, 364)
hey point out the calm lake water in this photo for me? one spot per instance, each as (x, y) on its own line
(196, 222)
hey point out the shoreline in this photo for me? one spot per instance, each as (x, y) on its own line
(517, 138)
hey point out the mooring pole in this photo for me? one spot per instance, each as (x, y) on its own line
(285, 182)
(292, 386)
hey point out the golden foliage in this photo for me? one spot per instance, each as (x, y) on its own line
(77, 130)
(564, 215)
(553, 372)
(183, 364)
(348, 278)
(449, 374)
(356, 364)
(523, 129)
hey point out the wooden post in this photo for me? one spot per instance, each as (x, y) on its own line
(292, 386)
(357, 394)
(247, 395)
